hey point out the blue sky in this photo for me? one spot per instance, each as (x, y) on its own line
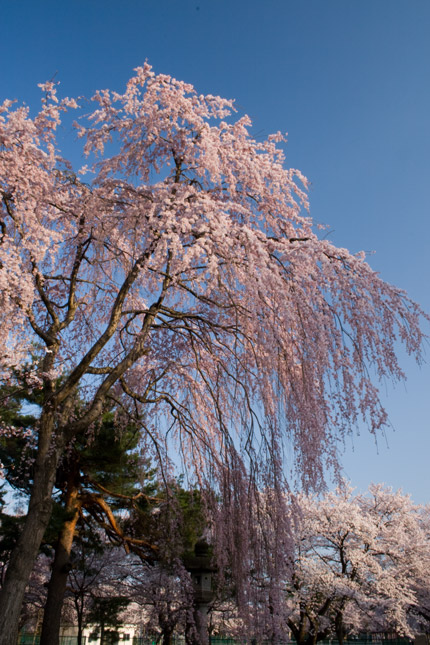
(349, 80)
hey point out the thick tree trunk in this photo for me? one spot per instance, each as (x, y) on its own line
(299, 630)
(340, 631)
(167, 636)
(25, 553)
(60, 568)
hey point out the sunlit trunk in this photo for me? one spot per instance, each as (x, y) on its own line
(60, 568)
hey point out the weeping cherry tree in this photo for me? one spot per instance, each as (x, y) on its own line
(178, 277)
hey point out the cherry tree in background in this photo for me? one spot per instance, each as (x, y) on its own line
(403, 530)
(31, 616)
(97, 586)
(357, 562)
(177, 277)
(162, 598)
(420, 612)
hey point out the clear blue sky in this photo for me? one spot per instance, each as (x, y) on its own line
(350, 82)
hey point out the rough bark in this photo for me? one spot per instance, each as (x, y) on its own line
(60, 568)
(25, 553)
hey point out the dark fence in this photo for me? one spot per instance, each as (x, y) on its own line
(33, 639)
(214, 640)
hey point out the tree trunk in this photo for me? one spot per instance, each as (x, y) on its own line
(79, 608)
(340, 632)
(61, 567)
(167, 635)
(25, 553)
(298, 630)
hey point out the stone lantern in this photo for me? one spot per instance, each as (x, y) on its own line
(201, 569)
